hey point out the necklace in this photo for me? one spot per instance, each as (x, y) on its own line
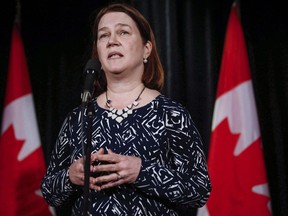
(121, 114)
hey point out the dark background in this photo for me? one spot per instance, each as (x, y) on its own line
(190, 36)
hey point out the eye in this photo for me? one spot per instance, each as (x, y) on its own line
(104, 35)
(123, 32)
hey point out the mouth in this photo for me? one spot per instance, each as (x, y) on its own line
(114, 55)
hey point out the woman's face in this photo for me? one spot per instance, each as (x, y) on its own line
(119, 44)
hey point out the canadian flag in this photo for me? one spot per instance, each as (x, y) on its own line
(235, 159)
(22, 162)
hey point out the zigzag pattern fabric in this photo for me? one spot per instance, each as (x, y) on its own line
(162, 134)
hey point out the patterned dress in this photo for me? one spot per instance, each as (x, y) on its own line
(173, 173)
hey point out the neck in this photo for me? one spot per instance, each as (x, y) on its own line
(126, 81)
(119, 96)
(118, 89)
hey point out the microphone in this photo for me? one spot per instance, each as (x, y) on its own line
(91, 73)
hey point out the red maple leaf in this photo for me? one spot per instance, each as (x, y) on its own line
(233, 177)
(20, 180)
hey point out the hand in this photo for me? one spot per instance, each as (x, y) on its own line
(76, 170)
(121, 168)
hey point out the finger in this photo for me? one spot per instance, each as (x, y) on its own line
(107, 178)
(119, 176)
(111, 152)
(109, 158)
(99, 152)
(105, 168)
(93, 185)
(112, 184)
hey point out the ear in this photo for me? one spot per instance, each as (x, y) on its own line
(147, 49)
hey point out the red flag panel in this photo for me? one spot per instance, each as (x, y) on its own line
(22, 162)
(235, 159)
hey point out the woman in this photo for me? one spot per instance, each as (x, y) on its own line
(147, 144)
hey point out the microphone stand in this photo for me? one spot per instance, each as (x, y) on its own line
(87, 153)
(91, 73)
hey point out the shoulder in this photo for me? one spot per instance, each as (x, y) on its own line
(74, 116)
(173, 111)
(177, 118)
(170, 104)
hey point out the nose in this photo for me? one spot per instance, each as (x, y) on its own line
(113, 40)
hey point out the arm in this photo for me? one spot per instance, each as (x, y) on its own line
(56, 186)
(184, 179)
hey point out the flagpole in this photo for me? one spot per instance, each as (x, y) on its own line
(18, 13)
(236, 4)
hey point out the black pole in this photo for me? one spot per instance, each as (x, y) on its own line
(87, 158)
(91, 71)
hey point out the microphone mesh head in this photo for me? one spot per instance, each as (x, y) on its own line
(91, 73)
(92, 64)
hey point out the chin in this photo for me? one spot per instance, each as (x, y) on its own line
(115, 67)
(115, 71)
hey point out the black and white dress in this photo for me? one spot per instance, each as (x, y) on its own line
(173, 174)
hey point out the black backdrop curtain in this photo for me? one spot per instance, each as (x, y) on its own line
(190, 36)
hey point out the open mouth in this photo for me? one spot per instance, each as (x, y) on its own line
(115, 55)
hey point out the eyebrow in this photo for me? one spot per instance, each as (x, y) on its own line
(118, 24)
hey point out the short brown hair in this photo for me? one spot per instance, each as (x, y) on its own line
(153, 76)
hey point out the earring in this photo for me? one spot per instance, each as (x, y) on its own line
(145, 60)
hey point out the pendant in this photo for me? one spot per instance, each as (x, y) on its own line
(119, 115)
